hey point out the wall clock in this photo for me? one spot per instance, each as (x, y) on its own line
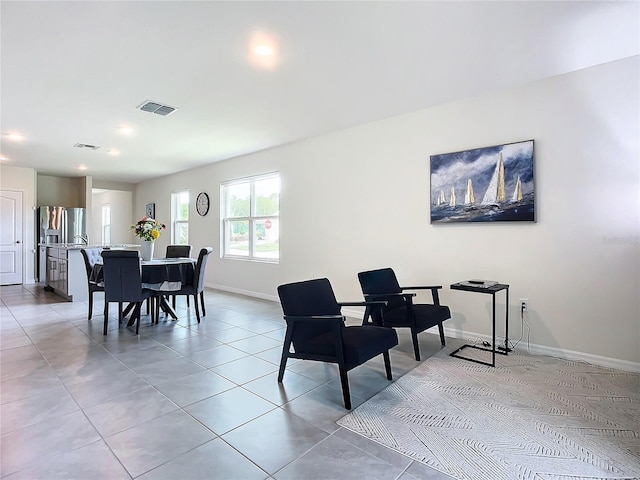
(202, 204)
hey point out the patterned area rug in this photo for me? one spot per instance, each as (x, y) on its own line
(531, 417)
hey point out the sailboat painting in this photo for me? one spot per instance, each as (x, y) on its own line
(495, 182)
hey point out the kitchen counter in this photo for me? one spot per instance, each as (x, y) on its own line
(66, 274)
(80, 246)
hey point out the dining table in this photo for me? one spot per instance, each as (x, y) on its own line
(164, 275)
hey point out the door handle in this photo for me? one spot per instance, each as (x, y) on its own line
(17, 241)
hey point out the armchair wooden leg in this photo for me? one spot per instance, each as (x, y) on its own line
(441, 329)
(416, 347)
(345, 386)
(387, 364)
(283, 364)
(285, 353)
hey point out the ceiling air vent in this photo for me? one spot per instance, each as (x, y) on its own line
(86, 145)
(157, 108)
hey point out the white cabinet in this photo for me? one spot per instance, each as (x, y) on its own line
(77, 276)
(42, 264)
(53, 268)
(66, 274)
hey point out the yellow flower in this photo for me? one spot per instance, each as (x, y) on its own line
(148, 229)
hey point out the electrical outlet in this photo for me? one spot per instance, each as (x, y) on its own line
(524, 304)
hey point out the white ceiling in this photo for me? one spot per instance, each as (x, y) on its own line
(75, 71)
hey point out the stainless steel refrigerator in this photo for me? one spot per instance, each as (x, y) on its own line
(59, 225)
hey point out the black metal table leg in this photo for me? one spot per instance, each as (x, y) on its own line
(492, 290)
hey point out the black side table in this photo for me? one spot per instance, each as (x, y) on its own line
(492, 290)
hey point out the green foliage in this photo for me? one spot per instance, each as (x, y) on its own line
(268, 205)
(239, 228)
(240, 207)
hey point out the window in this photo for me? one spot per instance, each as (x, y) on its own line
(180, 218)
(106, 224)
(251, 218)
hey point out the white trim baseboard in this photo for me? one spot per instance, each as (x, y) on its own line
(601, 361)
(246, 293)
(536, 349)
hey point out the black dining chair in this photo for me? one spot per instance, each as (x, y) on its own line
(123, 283)
(178, 251)
(91, 256)
(400, 310)
(197, 287)
(316, 330)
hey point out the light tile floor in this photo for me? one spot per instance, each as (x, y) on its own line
(181, 400)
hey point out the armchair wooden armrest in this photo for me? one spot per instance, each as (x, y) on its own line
(422, 287)
(369, 305)
(381, 300)
(381, 303)
(378, 297)
(302, 318)
(434, 291)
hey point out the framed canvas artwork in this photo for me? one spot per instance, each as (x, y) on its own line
(489, 184)
(151, 210)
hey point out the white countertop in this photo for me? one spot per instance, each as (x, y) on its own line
(80, 246)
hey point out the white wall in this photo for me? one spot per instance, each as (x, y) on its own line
(359, 199)
(24, 180)
(62, 191)
(121, 207)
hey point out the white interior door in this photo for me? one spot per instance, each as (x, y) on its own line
(11, 244)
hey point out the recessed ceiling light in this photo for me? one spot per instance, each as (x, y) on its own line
(3, 158)
(82, 167)
(264, 50)
(113, 152)
(16, 137)
(125, 130)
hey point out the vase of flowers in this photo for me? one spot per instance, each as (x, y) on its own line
(148, 229)
(147, 250)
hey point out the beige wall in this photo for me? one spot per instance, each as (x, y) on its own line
(358, 199)
(65, 191)
(121, 206)
(62, 191)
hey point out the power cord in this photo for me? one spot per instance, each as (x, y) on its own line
(523, 322)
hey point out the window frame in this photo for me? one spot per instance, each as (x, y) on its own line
(252, 218)
(105, 226)
(174, 214)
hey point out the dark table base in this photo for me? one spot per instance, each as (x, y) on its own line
(164, 306)
(490, 290)
(499, 350)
